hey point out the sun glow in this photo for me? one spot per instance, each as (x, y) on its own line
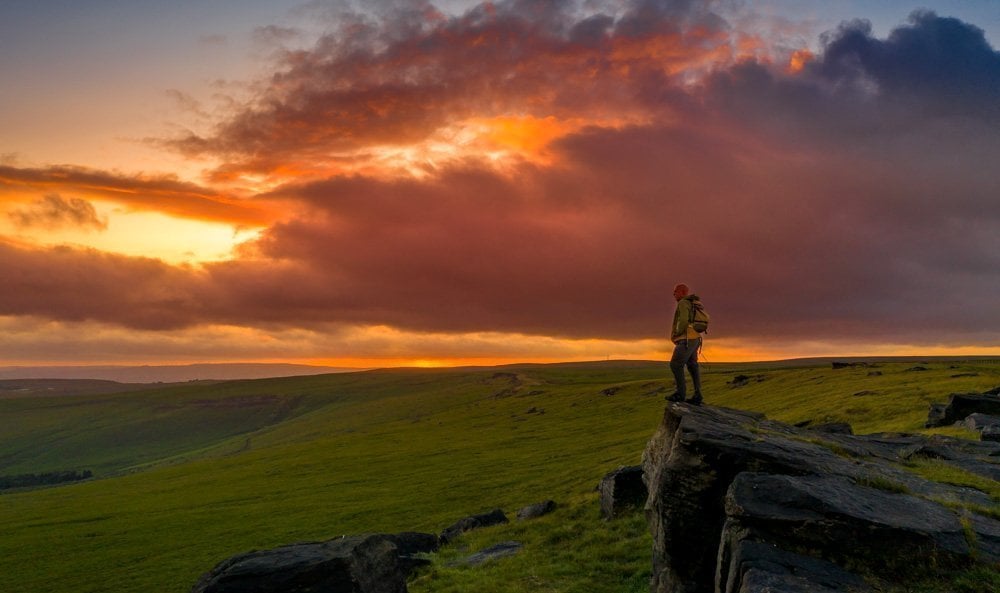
(172, 239)
(143, 234)
(498, 140)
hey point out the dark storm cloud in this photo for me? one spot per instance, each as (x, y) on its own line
(940, 66)
(932, 70)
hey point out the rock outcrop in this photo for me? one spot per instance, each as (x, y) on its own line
(494, 517)
(622, 489)
(752, 566)
(376, 563)
(744, 503)
(978, 411)
(494, 552)
(848, 365)
(981, 422)
(533, 511)
(961, 405)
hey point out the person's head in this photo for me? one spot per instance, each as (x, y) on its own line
(681, 291)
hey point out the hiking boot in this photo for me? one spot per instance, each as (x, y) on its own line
(675, 397)
(696, 400)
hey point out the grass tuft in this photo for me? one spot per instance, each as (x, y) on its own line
(884, 484)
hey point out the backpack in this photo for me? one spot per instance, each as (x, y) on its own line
(699, 317)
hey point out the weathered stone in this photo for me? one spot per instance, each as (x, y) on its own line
(888, 532)
(536, 510)
(744, 380)
(947, 448)
(936, 415)
(981, 458)
(494, 517)
(500, 550)
(990, 433)
(961, 405)
(978, 421)
(756, 567)
(698, 452)
(965, 454)
(847, 365)
(987, 538)
(740, 381)
(622, 489)
(689, 463)
(410, 545)
(353, 564)
(757, 580)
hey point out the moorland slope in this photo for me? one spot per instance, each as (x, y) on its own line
(187, 475)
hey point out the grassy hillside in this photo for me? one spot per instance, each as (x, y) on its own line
(191, 474)
(21, 388)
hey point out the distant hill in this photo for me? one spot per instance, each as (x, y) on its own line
(169, 373)
(13, 388)
(236, 371)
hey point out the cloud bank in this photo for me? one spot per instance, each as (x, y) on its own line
(848, 195)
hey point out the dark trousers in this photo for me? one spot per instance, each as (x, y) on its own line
(686, 355)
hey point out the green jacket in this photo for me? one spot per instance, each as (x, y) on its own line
(681, 328)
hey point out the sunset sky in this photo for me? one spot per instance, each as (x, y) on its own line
(454, 182)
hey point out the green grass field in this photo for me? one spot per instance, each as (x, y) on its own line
(188, 475)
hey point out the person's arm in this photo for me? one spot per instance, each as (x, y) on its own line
(682, 318)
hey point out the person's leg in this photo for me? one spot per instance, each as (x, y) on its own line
(695, 369)
(677, 362)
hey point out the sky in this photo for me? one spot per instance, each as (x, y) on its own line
(457, 182)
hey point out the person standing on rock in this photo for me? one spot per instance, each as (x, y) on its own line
(687, 342)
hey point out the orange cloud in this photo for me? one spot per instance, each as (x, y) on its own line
(55, 211)
(798, 60)
(156, 194)
(674, 52)
(520, 69)
(525, 134)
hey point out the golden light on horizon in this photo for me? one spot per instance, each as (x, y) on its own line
(141, 233)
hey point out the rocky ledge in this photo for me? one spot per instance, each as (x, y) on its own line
(739, 503)
(376, 563)
(977, 411)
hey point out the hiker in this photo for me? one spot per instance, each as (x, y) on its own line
(687, 342)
